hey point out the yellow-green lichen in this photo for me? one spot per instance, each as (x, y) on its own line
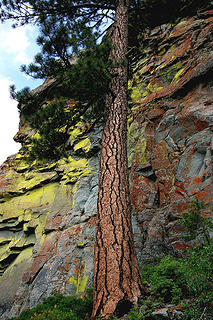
(32, 180)
(162, 52)
(138, 91)
(73, 169)
(24, 255)
(22, 166)
(137, 144)
(141, 64)
(75, 132)
(27, 215)
(170, 72)
(80, 280)
(23, 241)
(84, 145)
(181, 23)
(19, 156)
(34, 199)
(81, 244)
(178, 74)
(4, 239)
(36, 136)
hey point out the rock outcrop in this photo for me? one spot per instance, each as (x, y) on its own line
(48, 210)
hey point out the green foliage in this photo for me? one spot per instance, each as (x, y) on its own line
(194, 223)
(60, 41)
(69, 54)
(85, 81)
(198, 271)
(59, 307)
(167, 280)
(88, 78)
(52, 121)
(27, 102)
(187, 281)
(142, 311)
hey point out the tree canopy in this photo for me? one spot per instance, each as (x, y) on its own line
(67, 27)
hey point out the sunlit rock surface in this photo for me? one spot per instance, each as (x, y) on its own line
(47, 210)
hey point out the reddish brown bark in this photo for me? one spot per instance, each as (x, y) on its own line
(117, 282)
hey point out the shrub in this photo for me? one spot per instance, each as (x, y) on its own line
(194, 223)
(59, 307)
(198, 271)
(167, 280)
(187, 281)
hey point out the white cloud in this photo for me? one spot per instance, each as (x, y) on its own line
(17, 46)
(9, 119)
(15, 42)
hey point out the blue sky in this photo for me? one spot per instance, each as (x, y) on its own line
(17, 47)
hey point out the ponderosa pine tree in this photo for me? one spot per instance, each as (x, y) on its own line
(117, 283)
(116, 276)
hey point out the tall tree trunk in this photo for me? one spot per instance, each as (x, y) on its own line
(117, 283)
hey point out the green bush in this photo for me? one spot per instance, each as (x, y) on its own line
(52, 122)
(195, 223)
(167, 280)
(59, 307)
(198, 272)
(187, 281)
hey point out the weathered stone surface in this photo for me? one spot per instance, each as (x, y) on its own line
(40, 246)
(170, 313)
(47, 210)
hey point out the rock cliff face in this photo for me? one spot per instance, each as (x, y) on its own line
(48, 210)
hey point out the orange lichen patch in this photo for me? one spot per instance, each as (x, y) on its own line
(200, 125)
(202, 192)
(197, 180)
(186, 38)
(66, 265)
(24, 130)
(8, 178)
(209, 20)
(180, 192)
(183, 27)
(178, 307)
(182, 246)
(180, 50)
(155, 113)
(156, 95)
(205, 195)
(53, 221)
(71, 103)
(146, 68)
(72, 232)
(205, 31)
(160, 156)
(142, 188)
